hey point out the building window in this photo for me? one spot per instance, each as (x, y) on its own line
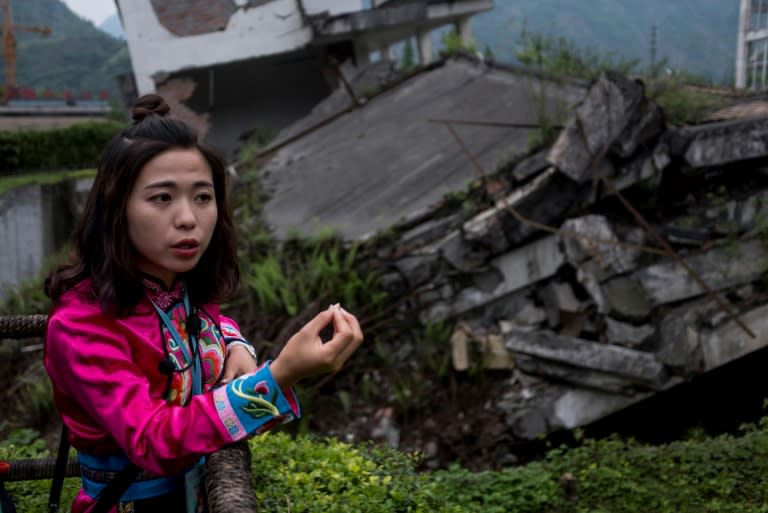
(757, 64)
(758, 18)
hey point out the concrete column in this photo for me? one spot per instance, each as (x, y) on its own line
(362, 52)
(385, 51)
(144, 84)
(464, 29)
(741, 46)
(424, 43)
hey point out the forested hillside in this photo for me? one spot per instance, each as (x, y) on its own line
(76, 56)
(698, 36)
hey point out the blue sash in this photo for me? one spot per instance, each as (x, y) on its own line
(97, 471)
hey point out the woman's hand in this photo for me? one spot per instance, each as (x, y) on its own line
(238, 362)
(305, 354)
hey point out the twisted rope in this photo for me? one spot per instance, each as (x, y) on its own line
(229, 481)
(22, 326)
(35, 469)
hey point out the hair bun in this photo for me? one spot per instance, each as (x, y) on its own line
(148, 105)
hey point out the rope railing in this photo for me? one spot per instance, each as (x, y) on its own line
(228, 471)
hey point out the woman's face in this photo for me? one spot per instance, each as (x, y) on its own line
(171, 213)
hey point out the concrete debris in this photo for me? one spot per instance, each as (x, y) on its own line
(725, 143)
(626, 334)
(725, 344)
(531, 166)
(601, 322)
(593, 229)
(604, 366)
(544, 271)
(596, 125)
(733, 264)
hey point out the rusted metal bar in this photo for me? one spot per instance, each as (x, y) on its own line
(496, 124)
(347, 86)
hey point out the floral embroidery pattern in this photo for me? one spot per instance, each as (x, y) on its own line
(161, 296)
(257, 406)
(227, 414)
(210, 345)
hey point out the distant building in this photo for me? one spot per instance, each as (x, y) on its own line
(237, 65)
(752, 46)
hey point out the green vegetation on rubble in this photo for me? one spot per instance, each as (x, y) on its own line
(679, 94)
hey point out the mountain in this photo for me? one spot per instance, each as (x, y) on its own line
(76, 56)
(698, 36)
(113, 27)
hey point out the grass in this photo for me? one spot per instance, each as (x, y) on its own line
(8, 183)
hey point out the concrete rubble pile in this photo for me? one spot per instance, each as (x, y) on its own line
(598, 312)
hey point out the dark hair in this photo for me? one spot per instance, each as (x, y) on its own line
(102, 250)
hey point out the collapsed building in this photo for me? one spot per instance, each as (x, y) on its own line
(599, 270)
(233, 67)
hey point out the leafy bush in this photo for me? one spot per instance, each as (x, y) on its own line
(680, 102)
(722, 474)
(528, 489)
(32, 496)
(77, 146)
(308, 475)
(454, 44)
(304, 474)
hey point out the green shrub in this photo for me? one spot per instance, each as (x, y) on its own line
(714, 475)
(681, 103)
(305, 474)
(74, 147)
(528, 489)
(308, 475)
(454, 44)
(32, 496)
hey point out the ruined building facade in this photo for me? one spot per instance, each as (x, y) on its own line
(232, 66)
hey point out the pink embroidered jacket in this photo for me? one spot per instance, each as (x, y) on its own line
(113, 394)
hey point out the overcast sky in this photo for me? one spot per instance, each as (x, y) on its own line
(94, 10)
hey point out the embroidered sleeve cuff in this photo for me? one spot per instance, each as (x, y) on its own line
(254, 403)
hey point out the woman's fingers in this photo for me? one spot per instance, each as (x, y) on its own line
(305, 354)
(318, 322)
(347, 336)
(354, 324)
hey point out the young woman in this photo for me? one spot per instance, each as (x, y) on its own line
(145, 368)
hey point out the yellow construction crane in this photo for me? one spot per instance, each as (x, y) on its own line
(9, 45)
